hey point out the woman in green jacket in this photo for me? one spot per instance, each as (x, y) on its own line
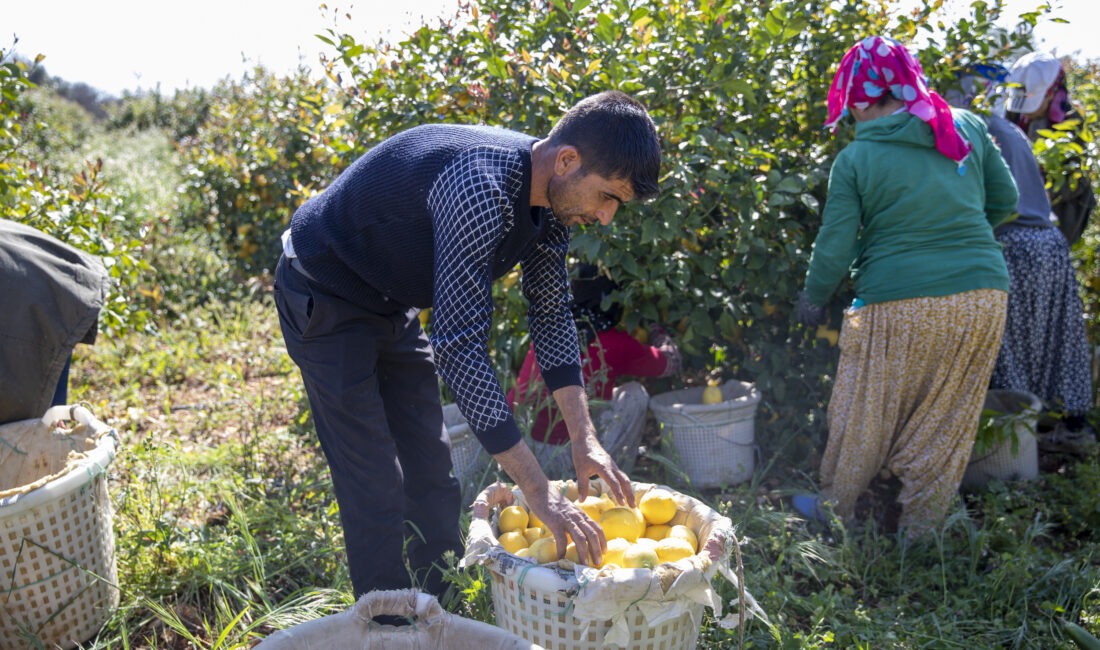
(911, 206)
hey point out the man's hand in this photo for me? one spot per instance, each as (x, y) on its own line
(563, 518)
(589, 457)
(560, 517)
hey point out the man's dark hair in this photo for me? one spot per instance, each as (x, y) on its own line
(616, 139)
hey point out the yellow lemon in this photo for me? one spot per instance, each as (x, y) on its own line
(671, 549)
(621, 522)
(647, 542)
(570, 492)
(571, 552)
(712, 394)
(657, 506)
(639, 556)
(614, 552)
(532, 534)
(682, 531)
(512, 518)
(533, 521)
(593, 506)
(545, 550)
(659, 531)
(523, 552)
(829, 334)
(513, 541)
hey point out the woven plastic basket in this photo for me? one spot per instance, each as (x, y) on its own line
(1001, 463)
(714, 443)
(58, 578)
(469, 458)
(579, 609)
(538, 607)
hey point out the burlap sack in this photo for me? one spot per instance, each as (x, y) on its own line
(432, 629)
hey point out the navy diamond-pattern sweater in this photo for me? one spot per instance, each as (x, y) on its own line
(429, 218)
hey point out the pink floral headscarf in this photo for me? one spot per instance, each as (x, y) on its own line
(878, 65)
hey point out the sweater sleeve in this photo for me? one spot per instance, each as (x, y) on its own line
(471, 210)
(836, 243)
(1001, 194)
(546, 287)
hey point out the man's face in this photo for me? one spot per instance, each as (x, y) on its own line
(577, 198)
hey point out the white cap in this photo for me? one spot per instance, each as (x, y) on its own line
(1035, 72)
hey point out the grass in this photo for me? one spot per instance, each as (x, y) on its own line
(226, 527)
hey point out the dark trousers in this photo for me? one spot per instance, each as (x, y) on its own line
(372, 387)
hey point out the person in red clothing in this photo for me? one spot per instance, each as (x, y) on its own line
(611, 353)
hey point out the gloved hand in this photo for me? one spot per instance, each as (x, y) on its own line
(809, 314)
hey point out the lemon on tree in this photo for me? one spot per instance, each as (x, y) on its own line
(657, 506)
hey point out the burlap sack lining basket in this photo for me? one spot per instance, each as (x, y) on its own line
(431, 627)
(58, 577)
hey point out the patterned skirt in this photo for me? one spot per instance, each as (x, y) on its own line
(1045, 350)
(909, 390)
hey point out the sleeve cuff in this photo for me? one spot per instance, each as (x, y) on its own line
(500, 438)
(562, 376)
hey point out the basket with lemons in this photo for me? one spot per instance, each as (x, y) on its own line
(637, 538)
(655, 572)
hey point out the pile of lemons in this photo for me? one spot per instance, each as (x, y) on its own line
(637, 538)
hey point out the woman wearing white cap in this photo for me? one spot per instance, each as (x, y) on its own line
(1038, 99)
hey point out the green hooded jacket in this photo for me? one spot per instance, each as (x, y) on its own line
(902, 219)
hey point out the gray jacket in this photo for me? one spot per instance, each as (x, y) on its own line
(50, 297)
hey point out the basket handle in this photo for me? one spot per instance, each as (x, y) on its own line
(399, 602)
(77, 413)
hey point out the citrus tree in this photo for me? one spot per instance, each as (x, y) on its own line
(265, 145)
(76, 206)
(738, 94)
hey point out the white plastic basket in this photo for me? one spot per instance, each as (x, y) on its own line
(469, 458)
(1000, 463)
(714, 443)
(582, 608)
(58, 577)
(537, 606)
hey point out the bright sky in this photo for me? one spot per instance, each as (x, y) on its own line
(117, 45)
